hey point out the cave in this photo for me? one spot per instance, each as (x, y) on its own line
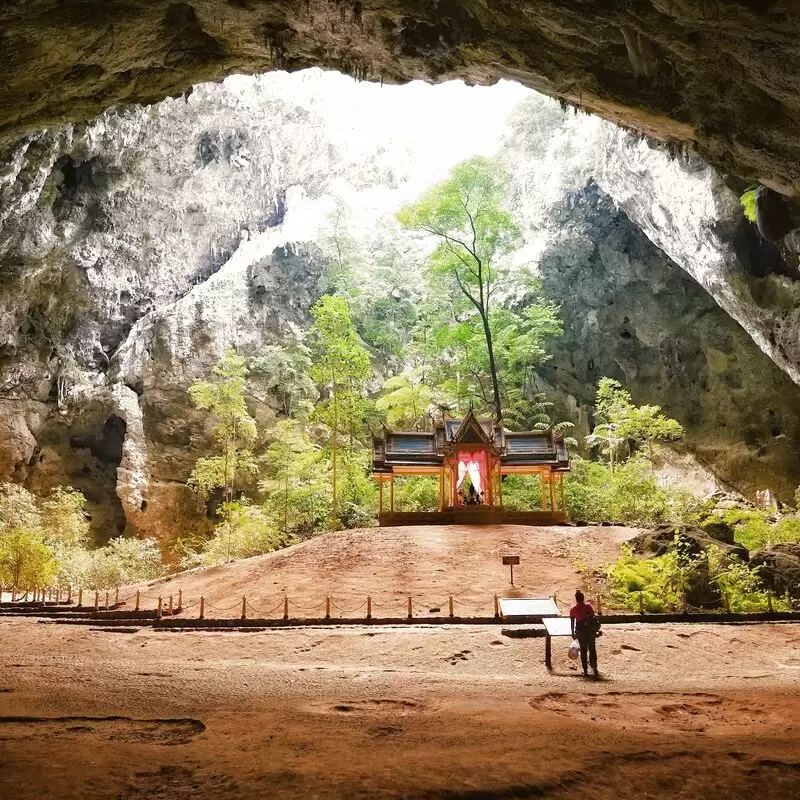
(183, 186)
(106, 446)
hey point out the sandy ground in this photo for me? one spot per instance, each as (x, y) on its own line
(389, 564)
(682, 711)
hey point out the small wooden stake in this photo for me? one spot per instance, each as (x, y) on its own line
(727, 602)
(450, 605)
(369, 608)
(327, 608)
(137, 600)
(158, 610)
(202, 607)
(599, 604)
(106, 601)
(80, 598)
(410, 608)
(69, 594)
(26, 596)
(286, 607)
(244, 607)
(170, 605)
(96, 600)
(180, 599)
(496, 608)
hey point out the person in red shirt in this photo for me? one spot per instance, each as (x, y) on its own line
(583, 629)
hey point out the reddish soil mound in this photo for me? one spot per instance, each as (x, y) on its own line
(389, 564)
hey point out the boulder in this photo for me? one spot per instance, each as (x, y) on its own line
(695, 540)
(720, 531)
(780, 568)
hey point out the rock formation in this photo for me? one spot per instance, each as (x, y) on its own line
(135, 248)
(719, 74)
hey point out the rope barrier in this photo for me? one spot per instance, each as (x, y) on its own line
(346, 611)
(264, 613)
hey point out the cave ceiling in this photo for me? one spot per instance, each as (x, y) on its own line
(723, 75)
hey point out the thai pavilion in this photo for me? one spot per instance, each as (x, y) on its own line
(482, 450)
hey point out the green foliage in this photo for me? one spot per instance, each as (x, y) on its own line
(25, 560)
(123, 560)
(754, 529)
(415, 493)
(342, 366)
(244, 531)
(18, 509)
(740, 584)
(748, 203)
(628, 494)
(476, 235)
(406, 401)
(660, 581)
(621, 422)
(664, 580)
(522, 492)
(223, 395)
(295, 481)
(284, 371)
(64, 520)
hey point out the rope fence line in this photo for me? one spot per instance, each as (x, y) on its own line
(64, 599)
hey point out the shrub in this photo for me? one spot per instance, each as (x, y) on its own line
(522, 492)
(753, 529)
(629, 494)
(245, 531)
(663, 581)
(415, 493)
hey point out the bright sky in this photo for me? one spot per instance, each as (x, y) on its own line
(434, 126)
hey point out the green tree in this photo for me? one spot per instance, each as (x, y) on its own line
(342, 366)
(64, 519)
(475, 236)
(224, 396)
(406, 400)
(623, 422)
(292, 462)
(284, 370)
(25, 560)
(18, 509)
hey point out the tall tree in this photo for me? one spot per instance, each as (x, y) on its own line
(406, 401)
(475, 235)
(284, 370)
(224, 396)
(342, 366)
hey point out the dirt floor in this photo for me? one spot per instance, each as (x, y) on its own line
(412, 711)
(389, 564)
(681, 711)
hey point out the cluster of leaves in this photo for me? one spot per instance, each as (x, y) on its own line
(756, 530)
(485, 326)
(624, 427)
(662, 582)
(47, 541)
(629, 493)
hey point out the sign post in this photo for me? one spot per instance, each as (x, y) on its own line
(511, 561)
